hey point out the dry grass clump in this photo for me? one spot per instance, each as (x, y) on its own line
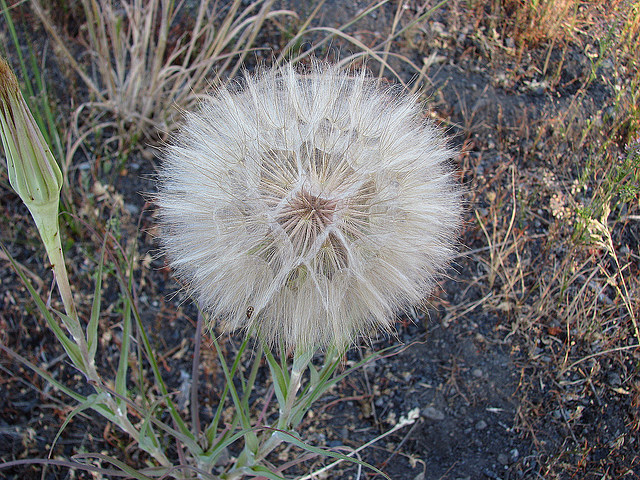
(532, 22)
(142, 72)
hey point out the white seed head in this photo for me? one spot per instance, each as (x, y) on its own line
(309, 207)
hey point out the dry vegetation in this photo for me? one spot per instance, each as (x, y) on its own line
(552, 239)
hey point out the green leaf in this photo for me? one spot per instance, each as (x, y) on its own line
(72, 325)
(92, 327)
(260, 471)
(70, 347)
(212, 429)
(224, 442)
(123, 363)
(90, 403)
(292, 439)
(251, 439)
(44, 374)
(159, 381)
(280, 378)
(115, 462)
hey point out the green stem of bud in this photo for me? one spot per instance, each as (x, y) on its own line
(46, 218)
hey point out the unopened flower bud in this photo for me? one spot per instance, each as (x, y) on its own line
(33, 172)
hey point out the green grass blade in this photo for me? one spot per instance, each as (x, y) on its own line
(292, 439)
(92, 327)
(280, 378)
(123, 362)
(251, 438)
(51, 133)
(17, 45)
(44, 374)
(126, 289)
(89, 404)
(260, 471)
(70, 347)
(213, 426)
(132, 472)
(252, 378)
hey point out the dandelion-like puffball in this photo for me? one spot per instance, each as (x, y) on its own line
(310, 207)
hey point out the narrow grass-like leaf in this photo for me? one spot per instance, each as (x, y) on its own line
(40, 108)
(115, 462)
(123, 362)
(150, 354)
(292, 439)
(72, 325)
(260, 471)
(148, 438)
(145, 413)
(46, 118)
(252, 378)
(89, 404)
(92, 327)
(44, 374)
(71, 348)
(64, 463)
(251, 438)
(213, 427)
(325, 381)
(226, 441)
(280, 378)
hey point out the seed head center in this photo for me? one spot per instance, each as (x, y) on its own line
(305, 216)
(314, 209)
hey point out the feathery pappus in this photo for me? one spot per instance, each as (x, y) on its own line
(310, 206)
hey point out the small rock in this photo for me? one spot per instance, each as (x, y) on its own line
(132, 209)
(503, 459)
(477, 373)
(514, 455)
(481, 425)
(614, 379)
(433, 413)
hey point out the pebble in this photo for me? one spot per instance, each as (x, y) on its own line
(132, 209)
(477, 372)
(503, 459)
(481, 425)
(614, 379)
(433, 413)
(514, 455)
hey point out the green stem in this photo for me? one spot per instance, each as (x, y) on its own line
(46, 218)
